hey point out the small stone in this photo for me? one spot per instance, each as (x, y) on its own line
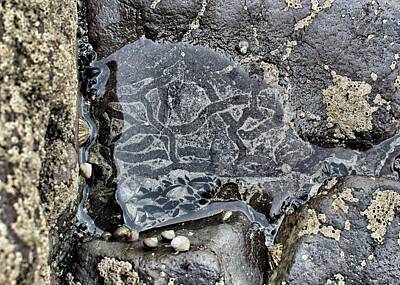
(151, 242)
(86, 169)
(180, 243)
(168, 235)
(243, 47)
(106, 235)
(134, 235)
(226, 215)
(122, 233)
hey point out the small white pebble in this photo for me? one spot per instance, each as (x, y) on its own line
(86, 170)
(226, 215)
(134, 235)
(180, 243)
(243, 47)
(168, 235)
(151, 242)
(374, 76)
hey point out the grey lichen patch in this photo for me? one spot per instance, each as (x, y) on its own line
(314, 225)
(347, 108)
(116, 272)
(381, 212)
(37, 74)
(315, 10)
(340, 200)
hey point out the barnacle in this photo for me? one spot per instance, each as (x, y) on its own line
(83, 131)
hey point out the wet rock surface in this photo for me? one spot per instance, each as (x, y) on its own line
(186, 127)
(254, 107)
(219, 252)
(349, 233)
(325, 52)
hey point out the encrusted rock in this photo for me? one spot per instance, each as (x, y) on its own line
(116, 272)
(237, 245)
(355, 241)
(38, 167)
(180, 243)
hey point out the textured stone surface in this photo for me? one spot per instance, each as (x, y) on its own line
(178, 124)
(307, 43)
(38, 88)
(348, 232)
(219, 251)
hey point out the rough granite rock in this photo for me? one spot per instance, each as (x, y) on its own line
(233, 252)
(38, 173)
(336, 59)
(349, 233)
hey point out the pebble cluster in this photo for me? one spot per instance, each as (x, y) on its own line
(123, 233)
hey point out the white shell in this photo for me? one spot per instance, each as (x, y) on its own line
(151, 242)
(86, 170)
(180, 243)
(168, 235)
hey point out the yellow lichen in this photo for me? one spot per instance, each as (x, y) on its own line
(314, 225)
(381, 212)
(347, 107)
(294, 4)
(340, 200)
(347, 225)
(315, 9)
(271, 72)
(116, 272)
(397, 82)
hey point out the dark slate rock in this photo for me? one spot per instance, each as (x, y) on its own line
(233, 252)
(348, 234)
(181, 122)
(306, 43)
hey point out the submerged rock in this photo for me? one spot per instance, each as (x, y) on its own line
(187, 127)
(349, 232)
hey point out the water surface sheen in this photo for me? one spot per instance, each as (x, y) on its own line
(195, 134)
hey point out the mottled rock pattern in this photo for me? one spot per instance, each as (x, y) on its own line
(348, 233)
(310, 44)
(218, 252)
(38, 88)
(178, 124)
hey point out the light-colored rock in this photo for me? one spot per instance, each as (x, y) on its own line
(180, 243)
(86, 169)
(168, 235)
(151, 242)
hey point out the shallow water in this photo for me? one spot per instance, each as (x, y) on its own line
(185, 122)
